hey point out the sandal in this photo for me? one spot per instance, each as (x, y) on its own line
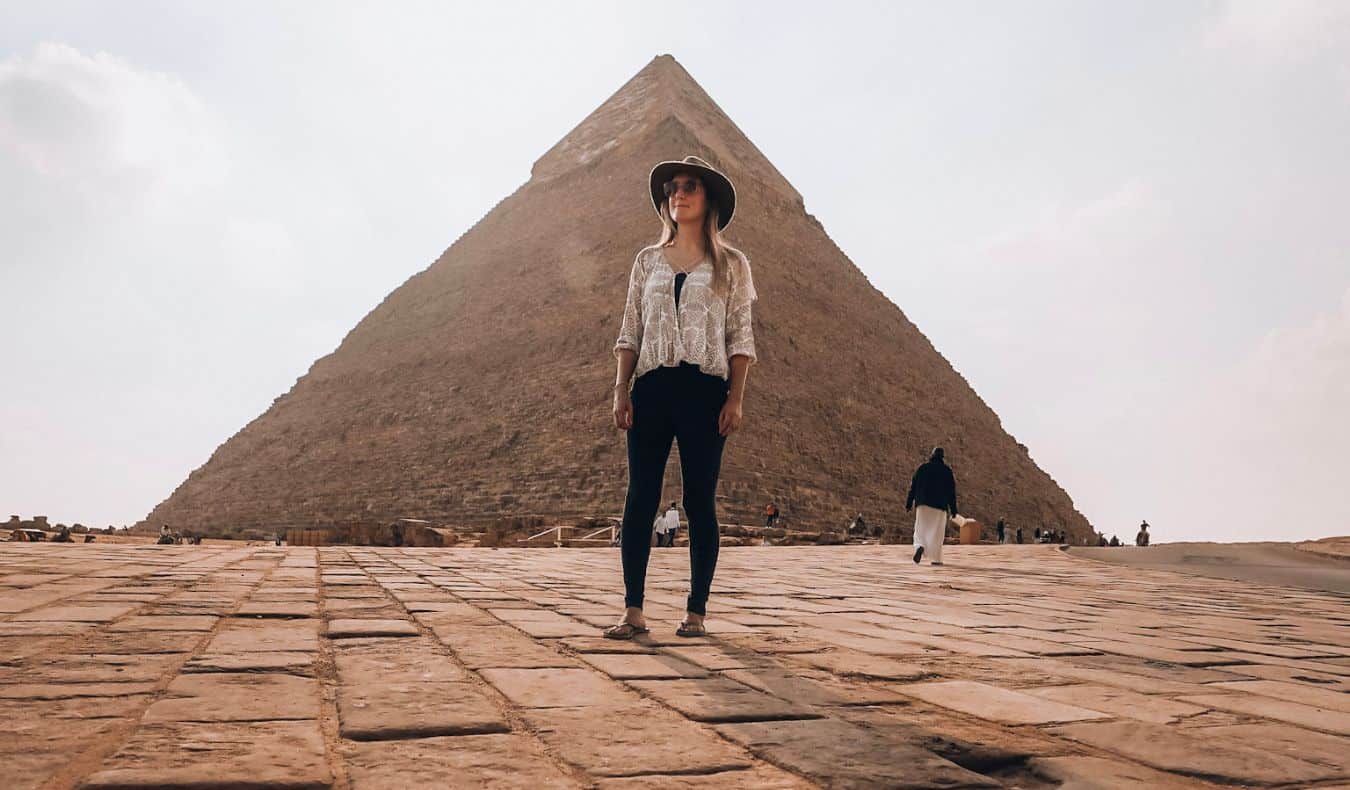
(624, 631)
(691, 629)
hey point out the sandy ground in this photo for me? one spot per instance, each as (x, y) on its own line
(1264, 563)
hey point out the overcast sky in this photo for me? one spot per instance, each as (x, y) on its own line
(1126, 224)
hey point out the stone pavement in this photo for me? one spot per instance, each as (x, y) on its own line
(263, 667)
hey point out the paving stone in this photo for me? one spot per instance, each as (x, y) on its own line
(792, 632)
(92, 668)
(599, 644)
(501, 762)
(45, 628)
(641, 738)
(165, 623)
(256, 755)
(1192, 753)
(543, 624)
(121, 706)
(814, 688)
(30, 770)
(558, 688)
(841, 754)
(1293, 692)
(760, 777)
(286, 636)
(1287, 740)
(35, 749)
(280, 609)
(721, 700)
(90, 613)
(342, 629)
(140, 642)
(640, 666)
(710, 657)
(1159, 670)
(293, 663)
(1040, 671)
(360, 607)
(1119, 702)
(225, 696)
(848, 663)
(1291, 674)
(498, 647)
(393, 709)
(995, 703)
(70, 690)
(361, 661)
(1098, 773)
(1315, 718)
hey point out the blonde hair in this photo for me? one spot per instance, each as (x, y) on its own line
(723, 255)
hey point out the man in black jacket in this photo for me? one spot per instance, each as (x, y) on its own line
(933, 489)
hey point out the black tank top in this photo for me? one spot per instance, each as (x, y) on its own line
(679, 285)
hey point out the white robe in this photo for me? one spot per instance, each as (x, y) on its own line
(930, 527)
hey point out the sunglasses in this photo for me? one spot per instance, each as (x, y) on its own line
(688, 186)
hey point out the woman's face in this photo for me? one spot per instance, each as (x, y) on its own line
(687, 208)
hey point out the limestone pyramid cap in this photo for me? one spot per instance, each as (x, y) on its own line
(718, 186)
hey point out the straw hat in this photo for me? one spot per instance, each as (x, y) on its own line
(718, 186)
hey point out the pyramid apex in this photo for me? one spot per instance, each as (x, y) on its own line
(662, 95)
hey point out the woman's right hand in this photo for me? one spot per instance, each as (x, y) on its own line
(623, 409)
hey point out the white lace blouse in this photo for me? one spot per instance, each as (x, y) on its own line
(703, 330)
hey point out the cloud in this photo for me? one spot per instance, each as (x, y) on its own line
(1264, 441)
(1287, 30)
(152, 268)
(96, 127)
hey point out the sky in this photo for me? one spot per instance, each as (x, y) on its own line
(1125, 224)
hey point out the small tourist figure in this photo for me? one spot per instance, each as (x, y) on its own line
(672, 524)
(1001, 530)
(770, 514)
(1142, 538)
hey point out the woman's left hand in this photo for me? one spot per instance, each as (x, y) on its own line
(730, 418)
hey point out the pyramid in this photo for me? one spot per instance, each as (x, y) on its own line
(481, 387)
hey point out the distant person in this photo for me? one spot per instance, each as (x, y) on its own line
(1101, 541)
(672, 525)
(1115, 541)
(858, 526)
(1142, 538)
(690, 284)
(771, 514)
(63, 536)
(278, 539)
(933, 489)
(1019, 535)
(165, 536)
(1001, 530)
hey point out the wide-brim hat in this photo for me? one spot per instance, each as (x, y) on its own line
(719, 188)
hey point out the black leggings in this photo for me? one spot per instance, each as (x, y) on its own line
(674, 403)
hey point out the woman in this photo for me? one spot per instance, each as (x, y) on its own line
(686, 341)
